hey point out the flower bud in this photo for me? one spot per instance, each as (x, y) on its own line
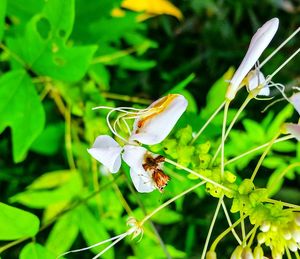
(258, 252)
(211, 255)
(237, 253)
(292, 245)
(261, 238)
(297, 219)
(265, 227)
(287, 234)
(247, 253)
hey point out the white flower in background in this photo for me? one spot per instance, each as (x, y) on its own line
(292, 128)
(259, 42)
(151, 126)
(295, 100)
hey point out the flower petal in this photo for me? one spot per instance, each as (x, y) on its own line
(256, 78)
(293, 129)
(259, 42)
(134, 157)
(161, 117)
(108, 152)
(295, 99)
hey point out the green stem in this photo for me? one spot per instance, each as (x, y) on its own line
(126, 98)
(257, 148)
(211, 227)
(207, 122)
(223, 234)
(286, 204)
(243, 106)
(264, 154)
(198, 175)
(223, 138)
(170, 201)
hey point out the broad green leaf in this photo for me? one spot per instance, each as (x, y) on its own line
(51, 180)
(47, 33)
(63, 234)
(2, 17)
(24, 9)
(254, 130)
(273, 162)
(51, 140)
(44, 198)
(285, 146)
(21, 110)
(93, 230)
(16, 223)
(36, 251)
(274, 183)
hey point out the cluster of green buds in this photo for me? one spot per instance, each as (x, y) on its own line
(279, 227)
(197, 157)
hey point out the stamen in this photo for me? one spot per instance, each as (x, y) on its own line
(92, 246)
(279, 47)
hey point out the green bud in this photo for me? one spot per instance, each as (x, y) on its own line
(204, 160)
(246, 187)
(258, 252)
(258, 196)
(185, 154)
(237, 253)
(211, 255)
(203, 148)
(156, 148)
(229, 177)
(184, 135)
(170, 148)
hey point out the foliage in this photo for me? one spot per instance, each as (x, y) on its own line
(61, 58)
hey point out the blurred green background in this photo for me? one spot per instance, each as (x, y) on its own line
(60, 58)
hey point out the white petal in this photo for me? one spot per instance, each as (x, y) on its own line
(142, 181)
(256, 78)
(156, 125)
(259, 42)
(134, 157)
(108, 152)
(293, 129)
(295, 99)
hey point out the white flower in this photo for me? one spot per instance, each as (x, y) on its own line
(295, 100)
(151, 126)
(293, 129)
(259, 42)
(256, 79)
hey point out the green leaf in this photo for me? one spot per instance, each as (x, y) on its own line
(51, 180)
(254, 130)
(93, 230)
(182, 85)
(24, 9)
(51, 140)
(167, 216)
(281, 117)
(36, 251)
(2, 17)
(273, 162)
(216, 94)
(44, 198)
(16, 223)
(20, 109)
(63, 234)
(47, 33)
(284, 146)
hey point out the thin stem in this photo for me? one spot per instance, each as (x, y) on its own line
(264, 154)
(284, 172)
(207, 122)
(258, 148)
(252, 233)
(278, 48)
(212, 224)
(170, 201)
(126, 98)
(68, 139)
(286, 204)
(282, 65)
(198, 175)
(223, 137)
(141, 205)
(230, 223)
(242, 225)
(288, 253)
(247, 100)
(223, 234)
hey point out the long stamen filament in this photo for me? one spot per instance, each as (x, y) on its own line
(207, 122)
(278, 48)
(211, 227)
(223, 137)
